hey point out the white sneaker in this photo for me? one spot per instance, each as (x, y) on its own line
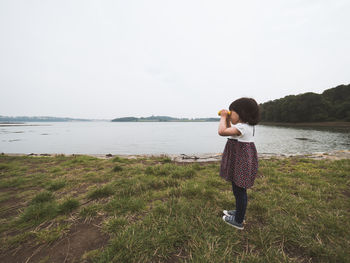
(230, 220)
(231, 213)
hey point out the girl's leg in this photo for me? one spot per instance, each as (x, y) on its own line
(241, 202)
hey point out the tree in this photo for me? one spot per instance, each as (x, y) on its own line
(332, 104)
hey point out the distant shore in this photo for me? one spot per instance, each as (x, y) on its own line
(285, 124)
(14, 124)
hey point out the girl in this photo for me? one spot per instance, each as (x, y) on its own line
(239, 163)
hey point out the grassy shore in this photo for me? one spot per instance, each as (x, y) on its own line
(84, 209)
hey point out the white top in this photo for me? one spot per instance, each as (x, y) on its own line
(247, 132)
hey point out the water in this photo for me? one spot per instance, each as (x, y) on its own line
(160, 138)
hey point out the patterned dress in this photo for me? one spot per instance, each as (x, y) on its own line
(239, 162)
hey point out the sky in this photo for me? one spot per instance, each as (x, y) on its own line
(106, 59)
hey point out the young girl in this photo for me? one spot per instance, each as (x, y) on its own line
(239, 163)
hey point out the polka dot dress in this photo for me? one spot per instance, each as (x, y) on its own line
(239, 163)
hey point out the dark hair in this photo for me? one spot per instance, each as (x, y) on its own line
(247, 109)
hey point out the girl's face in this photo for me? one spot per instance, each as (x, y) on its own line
(234, 117)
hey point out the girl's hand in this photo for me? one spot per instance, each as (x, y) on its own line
(223, 113)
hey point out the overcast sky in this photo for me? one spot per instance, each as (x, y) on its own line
(105, 59)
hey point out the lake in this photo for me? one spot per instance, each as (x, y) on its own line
(160, 138)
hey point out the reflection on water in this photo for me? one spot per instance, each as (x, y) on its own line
(293, 140)
(160, 137)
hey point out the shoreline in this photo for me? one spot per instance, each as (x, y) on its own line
(193, 158)
(267, 123)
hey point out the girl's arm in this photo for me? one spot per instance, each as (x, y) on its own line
(225, 128)
(228, 122)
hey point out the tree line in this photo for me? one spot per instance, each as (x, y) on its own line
(332, 105)
(37, 119)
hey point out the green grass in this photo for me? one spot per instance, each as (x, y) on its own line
(101, 192)
(154, 210)
(117, 168)
(118, 159)
(56, 185)
(38, 213)
(42, 197)
(68, 205)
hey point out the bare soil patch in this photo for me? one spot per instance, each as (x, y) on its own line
(81, 238)
(11, 207)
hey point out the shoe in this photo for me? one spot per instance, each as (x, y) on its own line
(231, 213)
(230, 220)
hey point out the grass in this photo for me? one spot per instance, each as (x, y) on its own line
(56, 185)
(42, 197)
(101, 192)
(153, 210)
(68, 205)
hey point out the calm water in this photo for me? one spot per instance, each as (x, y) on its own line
(160, 137)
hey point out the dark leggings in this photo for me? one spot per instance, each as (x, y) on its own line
(241, 202)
